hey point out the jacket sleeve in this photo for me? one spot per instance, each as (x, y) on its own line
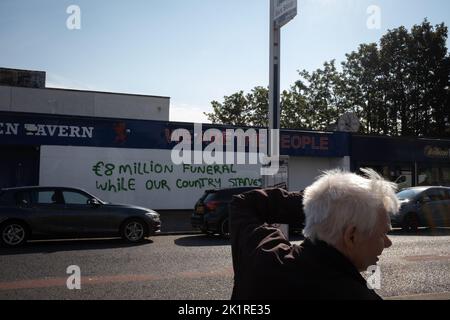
(253, 240)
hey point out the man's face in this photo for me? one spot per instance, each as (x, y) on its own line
(368, 247)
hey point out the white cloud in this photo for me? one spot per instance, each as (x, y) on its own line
(187, 113)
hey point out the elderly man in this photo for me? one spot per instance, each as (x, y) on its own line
(347, 221)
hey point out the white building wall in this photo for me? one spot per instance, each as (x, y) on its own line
(5, 98)
(84, 103)
(303, 170)
(131, 107)
(114, 176)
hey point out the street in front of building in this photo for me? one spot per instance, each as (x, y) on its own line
(194, 267)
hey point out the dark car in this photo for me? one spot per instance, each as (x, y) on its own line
(423, 207)
(59, 213)
(211, 210)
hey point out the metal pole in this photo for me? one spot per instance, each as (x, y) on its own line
(274, 74)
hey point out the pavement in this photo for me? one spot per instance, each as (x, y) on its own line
(427, 296)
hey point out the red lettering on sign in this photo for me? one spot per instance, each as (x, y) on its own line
(296, 142)
(324, 143)
(306, 141)
(285, 142)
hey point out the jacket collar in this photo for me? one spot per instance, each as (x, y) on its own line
(329, 255)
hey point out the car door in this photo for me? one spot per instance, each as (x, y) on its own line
(433, 207)
(446, 213)
(50, 216)
(92, 219)
(425, 212)
(442, 207)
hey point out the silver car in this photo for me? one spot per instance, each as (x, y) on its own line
(56, 212)
(423, 207)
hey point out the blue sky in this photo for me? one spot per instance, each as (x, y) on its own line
(193, 51)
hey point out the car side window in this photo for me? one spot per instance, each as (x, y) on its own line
(72, 197)
(436, 195)
(447, 195)
(46, 197)
(425, 198)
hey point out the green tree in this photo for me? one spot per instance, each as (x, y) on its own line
(363, 88)
(321, 93)
(398, 87)
(395, 63)
(258, 106)
(429, 72)
(233, 111)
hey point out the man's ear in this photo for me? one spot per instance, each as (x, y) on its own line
(350, 236)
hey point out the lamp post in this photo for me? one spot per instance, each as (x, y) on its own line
(281, 12)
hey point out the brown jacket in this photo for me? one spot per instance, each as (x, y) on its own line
(267, 266)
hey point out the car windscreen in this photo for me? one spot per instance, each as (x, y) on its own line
(218, 196)
(225, 195)
(407, 194)
(213, 196)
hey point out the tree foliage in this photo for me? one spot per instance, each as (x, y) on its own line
(397, 87)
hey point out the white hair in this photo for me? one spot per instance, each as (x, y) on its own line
(339, 199)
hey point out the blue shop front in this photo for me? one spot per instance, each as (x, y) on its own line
(407, 161)
(130, 161)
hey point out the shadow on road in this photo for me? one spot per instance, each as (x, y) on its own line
(429, 232)
(202, 241)
(213, 240)
(53, 246)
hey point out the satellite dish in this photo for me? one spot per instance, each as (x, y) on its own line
(349, 122)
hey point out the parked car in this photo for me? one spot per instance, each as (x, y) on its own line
(211, 211)
(423, 207)
(57, 212)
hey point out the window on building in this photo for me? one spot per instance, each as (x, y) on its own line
(434, 176)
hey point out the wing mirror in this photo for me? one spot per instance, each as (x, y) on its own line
(94, 202)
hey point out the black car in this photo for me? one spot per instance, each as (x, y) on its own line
(423, 207)
(60, 213)
(211, 210)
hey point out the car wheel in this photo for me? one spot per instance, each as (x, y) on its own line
(225, 228)
(411, 222)
(134, 230)
(13, 234)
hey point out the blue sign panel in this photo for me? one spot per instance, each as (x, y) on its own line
(35, 129)
(306, 143)
(388, 149)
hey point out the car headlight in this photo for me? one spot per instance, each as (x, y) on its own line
(153, 214)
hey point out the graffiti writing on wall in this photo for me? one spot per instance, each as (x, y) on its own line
(154, 176)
